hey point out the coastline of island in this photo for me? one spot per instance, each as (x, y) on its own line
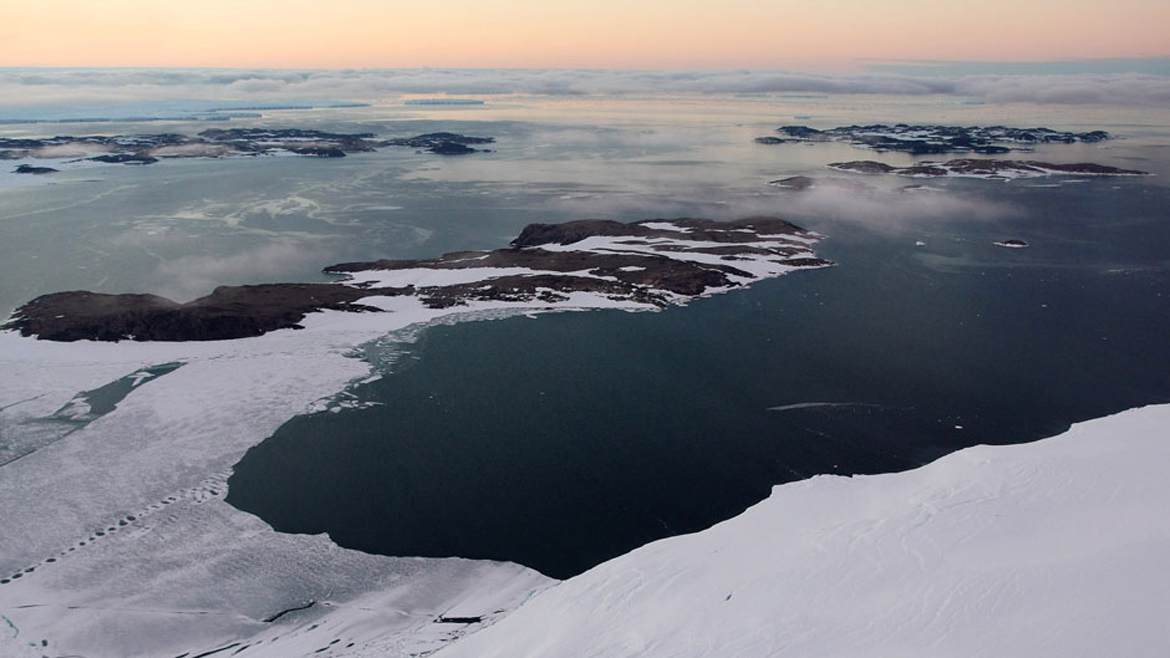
(648, 264)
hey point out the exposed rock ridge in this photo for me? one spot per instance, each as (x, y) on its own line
(984, 168)
(647, 264)
(230, 142)
(935, 139)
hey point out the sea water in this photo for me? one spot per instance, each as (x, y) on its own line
(561, 441)
(566, 440)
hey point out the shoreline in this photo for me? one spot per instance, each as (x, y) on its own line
(951, 553)
(144, 484)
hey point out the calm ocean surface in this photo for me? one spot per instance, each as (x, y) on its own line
(561, 441)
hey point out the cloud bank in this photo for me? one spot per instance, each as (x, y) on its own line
(28, 88)
(188, 277)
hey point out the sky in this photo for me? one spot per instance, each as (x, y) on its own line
(830, 36)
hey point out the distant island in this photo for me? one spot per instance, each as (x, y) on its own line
(29, 169)
(803, 183)
(443, 101)
(442, 143)
(984, 168)
(1011, 244)
(223, 143)
(934, 139)
(646, 264)
(147, 111)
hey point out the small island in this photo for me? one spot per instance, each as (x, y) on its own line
(223, 143)
(1011, 244)
(935, 139)
(442, 143)
(648, 264)
(443, 101)
(36, 171)
(984, 168)
(804, 183)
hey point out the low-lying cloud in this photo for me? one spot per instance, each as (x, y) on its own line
(896, 209)
(877, 209)
(41, 87)
(189, 277)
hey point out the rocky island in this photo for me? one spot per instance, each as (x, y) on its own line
(442, 143)
(647, 264)
(223, 143)
(984, 168)
(804, 183)
(1011, 244)
(37, 171)
(934, 139)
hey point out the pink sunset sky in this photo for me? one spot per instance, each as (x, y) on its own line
(827, 36)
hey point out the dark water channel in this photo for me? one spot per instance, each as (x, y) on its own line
(566, 440)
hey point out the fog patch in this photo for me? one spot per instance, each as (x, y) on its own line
(191, 151)
(189, 277)
(884, 210)
(81, 87)
(1118, 89)
(898, 208)
(75, 150)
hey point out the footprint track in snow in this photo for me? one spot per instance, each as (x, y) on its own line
(212, 487)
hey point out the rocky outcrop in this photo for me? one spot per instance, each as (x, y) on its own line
(990, 169)
(647, 264)
(228, 312)
(126, 158)
(864, 167)
(442, 143)
(804, 183)
(351, 142)
(1011, 244)
(224, 143)
(935, 139)
(29, 169)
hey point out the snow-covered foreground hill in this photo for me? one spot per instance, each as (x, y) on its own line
(1054, 548)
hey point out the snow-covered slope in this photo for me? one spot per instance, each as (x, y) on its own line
(1054, 548)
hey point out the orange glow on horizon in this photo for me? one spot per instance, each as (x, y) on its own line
(652, 34)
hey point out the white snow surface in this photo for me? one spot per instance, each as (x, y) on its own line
(667, 226)
(134, 552)
(758, 266)
(425, 277)
(1055, 548)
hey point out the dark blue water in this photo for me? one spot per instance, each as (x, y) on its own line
(563, 441)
